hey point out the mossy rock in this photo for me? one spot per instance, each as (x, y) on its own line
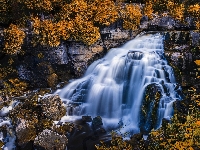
(50, 140)
(52, 107)
(149, 108)
(63, 129)
(52, 80)
(25, 132)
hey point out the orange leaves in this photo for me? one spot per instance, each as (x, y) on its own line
(44, 5)
(76, 7)
(13, 39)
(85, 31)
(178, 135)
(102, 12)
(198, 123)
(198, 25)
(194, 9)
(117, 143)
(148, 10)
(106, 13)
(131, 16)
(49, 33)
(178, 11)
(64, 29)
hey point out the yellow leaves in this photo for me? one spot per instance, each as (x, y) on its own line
(85, 31)
(194, 8)
(64, 29)
(176, 10)
(148, 10)
(131, 16)
(102, 12)
(198, 123)
(198, 25)
(50, 33)
(106, 13)
(40, 55)
(117, 143)
(197, 62)
(14, 86)
(76, 7)
(13, 37)
(44, 5)
(181, 145)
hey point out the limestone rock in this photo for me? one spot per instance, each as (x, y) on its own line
(51, 140)
(25, 132)
(52, 107)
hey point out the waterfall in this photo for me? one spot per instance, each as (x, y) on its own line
(114, 87)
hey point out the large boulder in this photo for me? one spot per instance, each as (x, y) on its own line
(50, 140)
(149, 108)
(25, 132)
(52, 107)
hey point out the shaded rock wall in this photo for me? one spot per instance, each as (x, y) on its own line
(43, 66)
(182, 50)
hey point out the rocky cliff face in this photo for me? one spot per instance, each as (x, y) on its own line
(43, 66)
(182, 50)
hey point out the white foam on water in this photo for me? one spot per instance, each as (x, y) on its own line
(113, 87)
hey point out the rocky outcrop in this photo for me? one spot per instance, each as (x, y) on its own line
(52, 107)
(150, 104)
(25, 132)
(50, 140)
(32, 116)
(181, 51)
(44, 66)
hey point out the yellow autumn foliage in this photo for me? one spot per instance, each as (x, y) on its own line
(3, 10)
(131, 15)
(194, 10)
(13, 39)
(148, 10)
(106, 12)
(178, 135)
(71, 10)
(176, 10)
(49, 33)
(197, 62)
(14, 87)
(85, 31)
(197, 23)
(38, 5)
(55, 20)
(117, 143)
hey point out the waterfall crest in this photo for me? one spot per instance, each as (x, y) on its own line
(114, 87)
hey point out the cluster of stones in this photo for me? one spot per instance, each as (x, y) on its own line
(33, 120)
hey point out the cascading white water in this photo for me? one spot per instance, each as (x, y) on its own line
(113, 87)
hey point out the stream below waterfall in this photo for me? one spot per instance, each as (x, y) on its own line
(132, 86)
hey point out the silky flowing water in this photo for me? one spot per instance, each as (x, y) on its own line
(114, 86)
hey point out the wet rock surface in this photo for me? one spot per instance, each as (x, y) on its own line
(52, 107)
(32, 115)
(49, 140)
(150, 105)
(44, 66)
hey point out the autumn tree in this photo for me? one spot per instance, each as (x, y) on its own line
(106, 12)
(131, 15)
(148, 9)
(176, 10)
(13, 39)
(194, 11)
